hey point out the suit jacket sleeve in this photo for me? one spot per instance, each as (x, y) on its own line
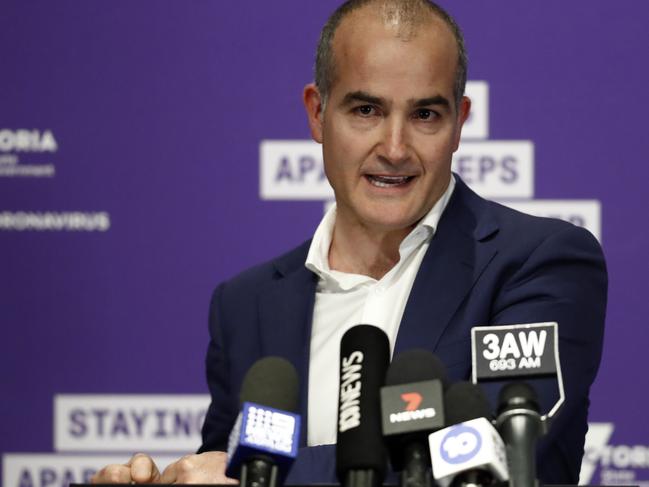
(564, 279)
(222, 410)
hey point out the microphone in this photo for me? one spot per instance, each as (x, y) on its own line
(465, 401)
(360, 454)
(513, 354)
(470, 451)
(412, 407)
(264, 440)
(519, 423)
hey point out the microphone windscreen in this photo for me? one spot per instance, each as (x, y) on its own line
(364, 359)
(415, 365)
(517, 395)
(412, 404)
(272, 382)
(464, 401)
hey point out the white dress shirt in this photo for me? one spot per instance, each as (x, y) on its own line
(343, 300)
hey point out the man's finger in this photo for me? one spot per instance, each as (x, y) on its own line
(112, 474)
(205, 468)
(143, 469)
(169, 475)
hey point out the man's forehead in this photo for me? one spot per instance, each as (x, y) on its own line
(432, 48)
(404, 19)
(363, 26)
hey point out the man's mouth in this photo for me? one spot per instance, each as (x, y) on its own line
(388, 181)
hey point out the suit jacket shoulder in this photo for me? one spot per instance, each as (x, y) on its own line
(258, 275)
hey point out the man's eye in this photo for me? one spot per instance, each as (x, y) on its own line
(365, 110)
(425, 114)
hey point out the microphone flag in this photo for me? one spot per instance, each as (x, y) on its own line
(473, 445)
(262, 430)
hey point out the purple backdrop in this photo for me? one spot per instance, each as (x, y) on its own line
(158, 108)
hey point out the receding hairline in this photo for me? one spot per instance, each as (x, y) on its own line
(407, 16)
(405, 27)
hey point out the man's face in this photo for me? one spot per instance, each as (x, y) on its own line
(390, 125)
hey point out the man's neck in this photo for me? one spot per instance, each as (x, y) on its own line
(358, 250)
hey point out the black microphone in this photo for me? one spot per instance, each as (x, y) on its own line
(412, 408)
(469, 451)
(513, 354)
(464, 401)
(264, 441)
(519, 423)
(360, 454)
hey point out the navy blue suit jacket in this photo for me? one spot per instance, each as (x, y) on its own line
(486, 264)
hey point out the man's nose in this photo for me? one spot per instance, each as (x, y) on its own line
(394, 146)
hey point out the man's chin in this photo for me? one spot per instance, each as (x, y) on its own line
(388, 222)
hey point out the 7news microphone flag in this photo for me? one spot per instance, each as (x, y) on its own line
(412, 407)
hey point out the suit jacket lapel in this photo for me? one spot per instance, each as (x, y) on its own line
(457, 255)
(285, 317)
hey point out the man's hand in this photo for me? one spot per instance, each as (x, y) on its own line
(140, 469)
(205, 468)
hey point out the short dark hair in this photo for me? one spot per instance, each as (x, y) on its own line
(324, 63)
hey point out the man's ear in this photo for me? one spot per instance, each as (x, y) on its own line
(313, 105)
(463, 111)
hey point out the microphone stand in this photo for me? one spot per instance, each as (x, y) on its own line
(416, 471)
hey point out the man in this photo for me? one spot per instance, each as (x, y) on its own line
(407, 248)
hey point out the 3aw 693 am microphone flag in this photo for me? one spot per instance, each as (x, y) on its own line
(518, 355)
